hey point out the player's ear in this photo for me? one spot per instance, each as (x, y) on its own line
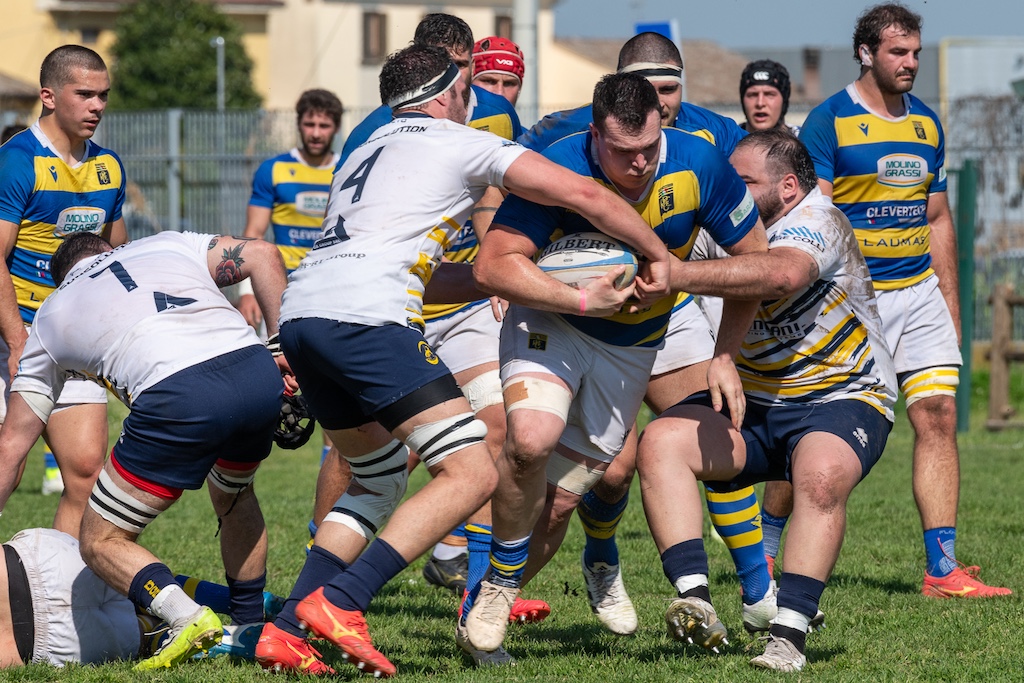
(865, 56)
(48, 97)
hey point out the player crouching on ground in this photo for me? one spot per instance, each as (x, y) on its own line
(820, 387)
(205, 397)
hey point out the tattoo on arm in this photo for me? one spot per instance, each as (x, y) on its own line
(212, 244)
(229, 270)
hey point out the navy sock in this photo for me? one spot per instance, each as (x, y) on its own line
(354, 589)
(246, 599)
(684, 559)
(150, 580)
(800, 593)
(940, 550)
(600, 520)
(321, 566)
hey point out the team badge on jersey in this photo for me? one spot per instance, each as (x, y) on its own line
(428, 353)
(102, 174)
(538, 342)
(666, 200)
(919, 129)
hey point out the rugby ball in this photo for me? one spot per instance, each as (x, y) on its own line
(584, 256)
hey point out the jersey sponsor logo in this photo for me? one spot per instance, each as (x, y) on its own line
(903, 212)
(896, 243)
(919, 130)
(311, 203)
(801, 234)
(762, 328)
(428, 353)
(740, 213)
(902, 170)
(666, 199)
(102, 174)
(79, 219)
(303, 235)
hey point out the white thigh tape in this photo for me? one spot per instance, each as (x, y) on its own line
(229, 481)
(572, 476)
(385, 474)
(483, 391)
(537, 394)
(118, 507)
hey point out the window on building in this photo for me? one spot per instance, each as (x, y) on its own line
(374, 37)
(90, 36)
(503, 26)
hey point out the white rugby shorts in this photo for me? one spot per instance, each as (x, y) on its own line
(918, 327)
(465, 339)
(607, 382)
(78, 618)
(689, 339)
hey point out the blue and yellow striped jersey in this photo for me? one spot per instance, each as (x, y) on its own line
(882, 171)
(297, 195)
(720, 131)
(694, 187)
(48, 200)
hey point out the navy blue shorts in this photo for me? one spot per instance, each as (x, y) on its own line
(772, 432)
(225, 408)
(352, 374)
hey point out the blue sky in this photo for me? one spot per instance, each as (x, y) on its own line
(781, 23)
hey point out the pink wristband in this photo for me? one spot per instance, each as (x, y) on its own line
(583, 302)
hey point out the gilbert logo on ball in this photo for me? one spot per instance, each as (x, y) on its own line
(584, 256)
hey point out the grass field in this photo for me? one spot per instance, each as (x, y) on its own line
(879, 626)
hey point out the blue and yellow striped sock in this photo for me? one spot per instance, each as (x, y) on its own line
(939, 550)
(478, 540)
(600, 520)
(737, 517)
(49, 462)
(508, 561)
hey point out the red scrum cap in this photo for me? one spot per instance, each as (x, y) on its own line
(497, 54)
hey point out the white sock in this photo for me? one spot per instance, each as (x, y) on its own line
(173, 605)
(690, 581)
(443, 551)
(792, 619)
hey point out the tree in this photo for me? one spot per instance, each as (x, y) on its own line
(163, 57)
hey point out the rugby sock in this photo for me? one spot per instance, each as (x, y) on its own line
(321, 566)
(737, 517)
(771, 529)
(798, 600)
(478, 537)
(49, 462)
(600, 520)
(150, 580)
(508, 561)
(939, 550)
(173, 606)
(213, 595)
(453, 545)
(354, 589)
(246, 599)
(686, 567)
(323, 453)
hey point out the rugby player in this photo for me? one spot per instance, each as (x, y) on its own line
(764, 96)
(679, 370)
(819, 384)
(152, 326)
(54, 182)
(573, 384)
(395, 206)
(879, 152)
(498, 67)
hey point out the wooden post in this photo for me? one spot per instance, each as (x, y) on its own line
(1003, 352)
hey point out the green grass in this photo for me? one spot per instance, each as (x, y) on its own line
(879, 627)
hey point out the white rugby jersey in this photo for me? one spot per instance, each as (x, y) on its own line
(394, 206)
(825, 341)
(131, 317)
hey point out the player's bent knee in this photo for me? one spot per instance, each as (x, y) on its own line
(575, 477)
(384, 474)
(119, 507)
(941, 381)
(435, 441)
(483, 391)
